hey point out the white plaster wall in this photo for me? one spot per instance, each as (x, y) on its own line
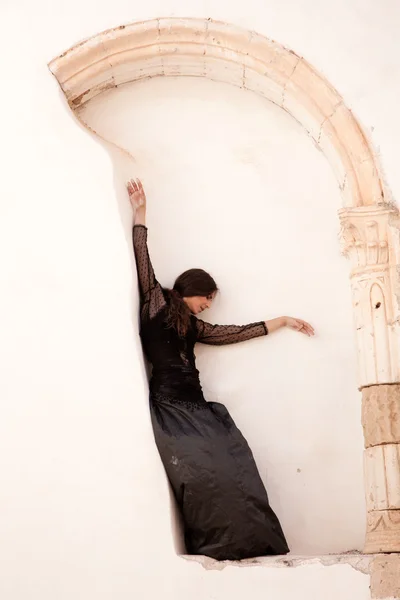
(235, 186)
(77, 462)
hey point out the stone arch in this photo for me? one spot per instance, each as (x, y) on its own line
(370, 236)
(223, 52)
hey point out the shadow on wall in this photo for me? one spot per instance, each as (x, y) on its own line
(125, 167)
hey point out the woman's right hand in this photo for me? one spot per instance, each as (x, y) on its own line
(137, 197)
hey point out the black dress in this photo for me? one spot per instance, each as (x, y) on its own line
(209, 464)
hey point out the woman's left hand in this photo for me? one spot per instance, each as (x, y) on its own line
(299, 325)
(296, 324)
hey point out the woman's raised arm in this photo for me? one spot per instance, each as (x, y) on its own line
(151, 293)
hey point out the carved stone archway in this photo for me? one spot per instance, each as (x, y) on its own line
(370, 224)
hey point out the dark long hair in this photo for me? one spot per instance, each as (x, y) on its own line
(194, 282)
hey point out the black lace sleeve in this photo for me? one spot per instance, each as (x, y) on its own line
(219, 335)
(151, 293)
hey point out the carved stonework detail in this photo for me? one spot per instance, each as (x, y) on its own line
(369, 238)
(381, 414)
(382, 477)
(381, 423)
(383, 531)
(365, 235)
(377, 352)
(368, 249)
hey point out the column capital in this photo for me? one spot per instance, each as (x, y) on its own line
(366, 238)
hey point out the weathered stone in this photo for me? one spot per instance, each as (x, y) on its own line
(382, 477)
(385, 577)
(111, 56)
(381, 414)
(383, 531)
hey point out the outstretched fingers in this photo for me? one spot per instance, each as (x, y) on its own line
(132, 186)
(301, 326)
(306, 328)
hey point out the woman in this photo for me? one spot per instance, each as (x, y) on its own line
(209, 464)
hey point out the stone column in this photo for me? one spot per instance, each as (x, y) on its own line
(381, 423)
(370, 236)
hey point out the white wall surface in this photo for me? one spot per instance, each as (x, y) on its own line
(84, 506)
(236, 187)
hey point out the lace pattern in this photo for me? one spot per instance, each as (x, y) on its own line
(151, 293)
(219, 335)
(172, 357)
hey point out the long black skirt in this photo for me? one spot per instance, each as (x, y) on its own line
(215, 481)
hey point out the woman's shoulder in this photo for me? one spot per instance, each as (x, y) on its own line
(166, 294)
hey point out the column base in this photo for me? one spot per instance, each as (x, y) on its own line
(383, 532)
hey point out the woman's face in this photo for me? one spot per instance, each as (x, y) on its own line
(197, 304)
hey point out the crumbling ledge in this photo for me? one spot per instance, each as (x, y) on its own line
(356, 560)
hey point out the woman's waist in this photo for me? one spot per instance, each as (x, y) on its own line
(171, 370)
(175, 379)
